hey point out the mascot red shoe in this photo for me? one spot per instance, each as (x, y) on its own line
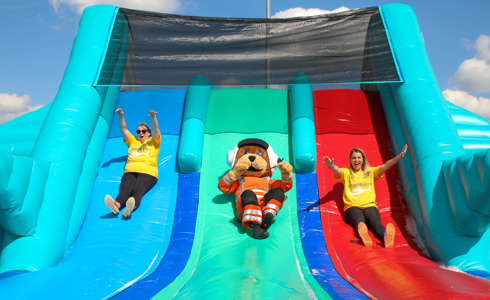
(258, 197)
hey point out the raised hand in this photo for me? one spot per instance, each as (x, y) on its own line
(122, 124)
(404, 151)
(328, 162)
(119, 111)
(390, 163)
(152, 113)
(240, 167)
(286, 169)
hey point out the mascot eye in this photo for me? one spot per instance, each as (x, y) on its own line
(245, 151)
(258, 152)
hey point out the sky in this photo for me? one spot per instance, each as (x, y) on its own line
(37, 37)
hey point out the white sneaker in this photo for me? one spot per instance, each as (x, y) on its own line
(111, 204)
(130, 204)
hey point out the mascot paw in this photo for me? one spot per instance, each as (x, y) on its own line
(240, 167)
(242, 163)
(258, 232)
(286, 169)
(267, 220)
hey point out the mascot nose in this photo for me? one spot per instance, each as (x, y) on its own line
(251, 158)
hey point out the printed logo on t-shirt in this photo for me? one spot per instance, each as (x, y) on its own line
(143, 150)
(357, 191)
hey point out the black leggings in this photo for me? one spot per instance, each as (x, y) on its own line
(249, 197)
(370, 216)
(135, 185)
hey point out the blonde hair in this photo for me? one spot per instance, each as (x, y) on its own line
(365, 164)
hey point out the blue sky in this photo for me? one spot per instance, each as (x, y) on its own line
(37, 37)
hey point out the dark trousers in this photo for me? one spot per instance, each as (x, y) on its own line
(249, 197)
(355, 215)
(134, 185)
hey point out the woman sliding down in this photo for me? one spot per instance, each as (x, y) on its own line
(359, 197)
(141, 170)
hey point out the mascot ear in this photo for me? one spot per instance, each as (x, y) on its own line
(273, 158)
(231, 156)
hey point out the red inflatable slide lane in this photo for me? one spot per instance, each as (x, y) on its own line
(345, 119)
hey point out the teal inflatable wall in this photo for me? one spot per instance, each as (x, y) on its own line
(417, 114)
(46, 185)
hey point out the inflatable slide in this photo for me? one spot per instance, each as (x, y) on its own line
(371, 270)
(59, 241)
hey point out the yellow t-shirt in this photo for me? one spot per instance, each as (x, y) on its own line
(142, 158)
(359, 187)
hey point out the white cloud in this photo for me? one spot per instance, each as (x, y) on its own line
(12, 106)
(305, 12)
(482, 47)
(477, 105)
(473, 74)
(166, 6)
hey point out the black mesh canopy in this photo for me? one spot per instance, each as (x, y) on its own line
(170, 50)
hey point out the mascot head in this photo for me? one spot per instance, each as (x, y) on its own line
(259, 155)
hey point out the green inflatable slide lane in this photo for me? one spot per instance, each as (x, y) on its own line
(225, 262)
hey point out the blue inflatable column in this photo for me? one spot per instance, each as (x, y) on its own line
(426, 122)
(192, 136)
(302, 124)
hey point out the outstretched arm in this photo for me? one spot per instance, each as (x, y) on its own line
(154, 123)
(390, 163)
(331, 165)
(122, 124)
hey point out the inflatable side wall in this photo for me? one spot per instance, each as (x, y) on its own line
(417, 114)
(41, 213)
(473, 130)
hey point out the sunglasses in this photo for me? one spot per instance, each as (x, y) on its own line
(141, 131)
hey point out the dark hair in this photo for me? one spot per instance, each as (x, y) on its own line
(365, 163)
(144, 125)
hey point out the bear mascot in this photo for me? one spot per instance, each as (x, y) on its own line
(258, 197)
